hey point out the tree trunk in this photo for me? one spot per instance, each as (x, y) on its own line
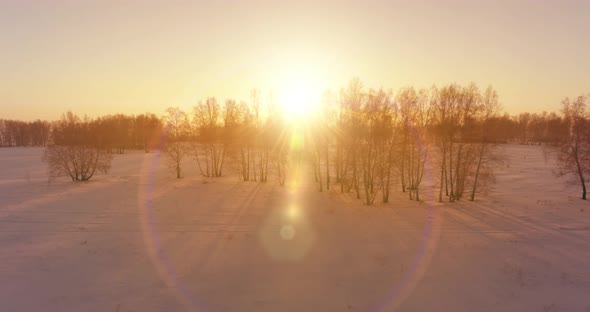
(327, 166)
(254, 166)
(319, 171)
(402, 167)
(581, 175)
(315, 169)
(338, 163)
(442, 173)
(248, 165)
(387, 177)
(450, 172)
(477, 172)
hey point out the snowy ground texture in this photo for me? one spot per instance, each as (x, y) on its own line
(139, 240)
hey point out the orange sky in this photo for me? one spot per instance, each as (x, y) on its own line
(100, 57)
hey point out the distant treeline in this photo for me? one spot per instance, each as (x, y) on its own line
(21, 133)
(119, 132)
(113, 133)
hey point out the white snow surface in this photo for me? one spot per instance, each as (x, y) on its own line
(137, 239)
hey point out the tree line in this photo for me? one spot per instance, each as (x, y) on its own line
(374, 140)
(368, 141)
(363, 141)
(248, 136)
(121, 132)
(16, 133)
(113, 134)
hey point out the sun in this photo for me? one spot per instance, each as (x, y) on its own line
(299, 95)
(297, 100)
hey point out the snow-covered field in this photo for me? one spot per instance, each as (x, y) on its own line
(137, 239)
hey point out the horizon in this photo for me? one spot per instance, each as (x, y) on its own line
(106, 58)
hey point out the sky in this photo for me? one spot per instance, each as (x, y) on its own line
(103, 57)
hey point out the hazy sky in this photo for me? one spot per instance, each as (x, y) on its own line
(99, 57)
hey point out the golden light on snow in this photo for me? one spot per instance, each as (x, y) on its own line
(286, 235)
(146, 196)
(293, 183)
(292, 212)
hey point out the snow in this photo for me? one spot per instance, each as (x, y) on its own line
(137, 239)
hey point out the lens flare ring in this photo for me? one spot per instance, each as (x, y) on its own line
(168, 274)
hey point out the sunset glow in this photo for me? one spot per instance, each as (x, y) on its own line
(104, 57)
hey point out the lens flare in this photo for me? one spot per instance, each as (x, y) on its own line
(287, 232)
(282, 241)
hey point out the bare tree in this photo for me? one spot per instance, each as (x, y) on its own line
(487, 152)
(462, 152)
(176, 147)
(78, 162)
(257, 124)
(246, 137)
(414, 107)
(176, 152)
(459, 114)
(419, 147)
(71, 154)
(349, 136)
(574, 151)
(207, 117)
(373, 149)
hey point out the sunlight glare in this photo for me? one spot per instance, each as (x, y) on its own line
(299, 94)
(292, 212)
